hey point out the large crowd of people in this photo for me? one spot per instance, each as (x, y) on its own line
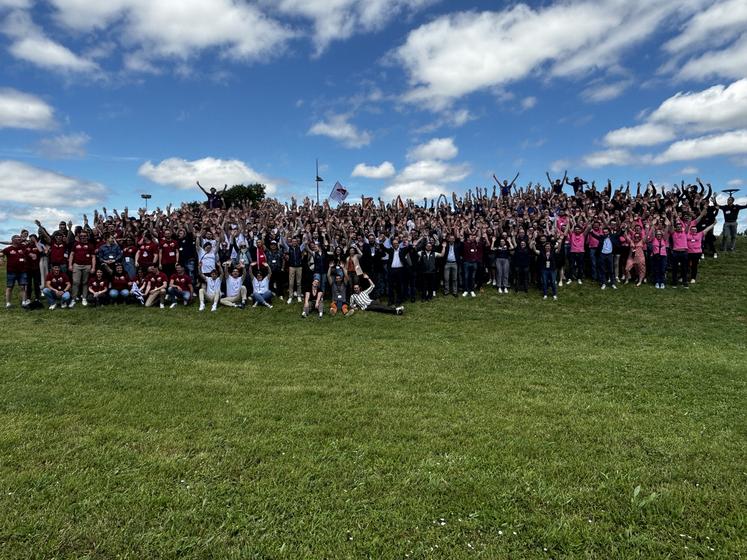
(358, 256)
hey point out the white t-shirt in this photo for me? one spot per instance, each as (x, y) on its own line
(233, 286)
(207, 261)
(213, 285)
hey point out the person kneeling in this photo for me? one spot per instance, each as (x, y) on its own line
(57, 287)
(339, 295)
(155, 287)
(98, 289)
(235, 289)
(211, 290)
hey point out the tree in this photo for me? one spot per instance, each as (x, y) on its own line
(240, 194)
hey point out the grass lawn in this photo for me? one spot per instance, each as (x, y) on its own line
(604, 425)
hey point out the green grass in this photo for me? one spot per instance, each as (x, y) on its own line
(604, 425)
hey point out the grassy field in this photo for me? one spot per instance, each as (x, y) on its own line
(603, 425)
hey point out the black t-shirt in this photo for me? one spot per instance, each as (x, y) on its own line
(732, 212)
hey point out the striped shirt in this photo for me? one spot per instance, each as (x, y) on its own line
(361, 300)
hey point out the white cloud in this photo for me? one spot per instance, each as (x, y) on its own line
(736, 183)
(15, 4)
(338, 128)
(716, 108)
(158, 30)
(438, 148)
(600, 92)
(23, 110)
(383, 171)
(26, 184)
(720, 22)
(28, 214)
(29, 43)
(730, 62)
(427, 178)
(648, 134)
(731, 143)
(491, 49)
(689, 170)
(559, 165)
(64, 146)
(211, 172)
(528, 102)
(335, 20)
(609, 157)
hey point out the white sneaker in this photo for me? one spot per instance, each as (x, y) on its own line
(303, 314)
(604, 286)
(290, 300)
(8, 305)
(255, 304)
(161, 305)
(214, 308)
(544, 297)
(72, 303)
(614, 286)
(320, 314)
(172, 306)
(84, 302)
(464, 294)
(579, 282)
(715, 255)
(202, 307)
(299, 299)
(400, 310)
(295, 294)
(26, 302)
(692, 281)
(554, 297)
(64, 305)
(268, 306)
(472, 294)
(53, 307)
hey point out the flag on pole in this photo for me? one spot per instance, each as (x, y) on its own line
(367, 201)
(339, 193)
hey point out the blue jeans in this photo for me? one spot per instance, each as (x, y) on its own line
(548, 280)
(52, 298)
(114, 294)
(174, 294)
(263, 297)
(470, 268)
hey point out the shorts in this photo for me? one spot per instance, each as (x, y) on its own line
(20, 277)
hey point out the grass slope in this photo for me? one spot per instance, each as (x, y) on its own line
(603, 425)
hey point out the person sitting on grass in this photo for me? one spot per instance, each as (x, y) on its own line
(57, 287)
(313, 295)
(120, 285)
(211, 290)
(235, 289)
(339, 294)
(360, 299)
(98, 288)
(180, 287)
(261, 284)
(155, 287)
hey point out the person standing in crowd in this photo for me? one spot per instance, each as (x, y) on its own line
(168, 252)
(548, 267)
(731, 215)
(451, 253)
(605, 256)
(16, 271)
(293, 258)
(678, 237)
(57, 288)
(109, 254)
(522, 260)
(214, 198)
(82, 261)
(503, 251)
(147, 254)
(695, 249)
(427, 260)
(398, 262)
(636, 259)
(472, 259)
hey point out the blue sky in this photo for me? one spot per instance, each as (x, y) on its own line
(100, 102)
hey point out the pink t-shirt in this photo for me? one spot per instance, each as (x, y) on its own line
(695, 242)
(659, 246)
(593, 241)
(679, 241)
(577, 242)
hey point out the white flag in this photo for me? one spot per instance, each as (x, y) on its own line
(339, 193)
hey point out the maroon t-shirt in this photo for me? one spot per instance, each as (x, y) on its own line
(183, 282)
(58, 253)
(17, 259)
(33, 258)
(96, 285)
(148, 252)
(58, 282)
(82, 253)
(120, 281)
(169, 251)
(157, 280)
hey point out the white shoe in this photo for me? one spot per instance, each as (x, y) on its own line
(400, 310)
(544, 297)
(84, 302)
(64, 305)
(320, 314)
(8, 305)
(579, 282)
(472, 294)
(299, 299)
(295, 294)
(290, 300)
(692, 281)
(202, 307)
(172, 306)
(255, 304)
(604, 286)
(214, 308)
(464, 294)
(161, 305)
(715, 255)
(26, 302)
(72, 303)
(614, 286)
(268, 306)
(554, 297)
(303, 314)
(53, 307)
